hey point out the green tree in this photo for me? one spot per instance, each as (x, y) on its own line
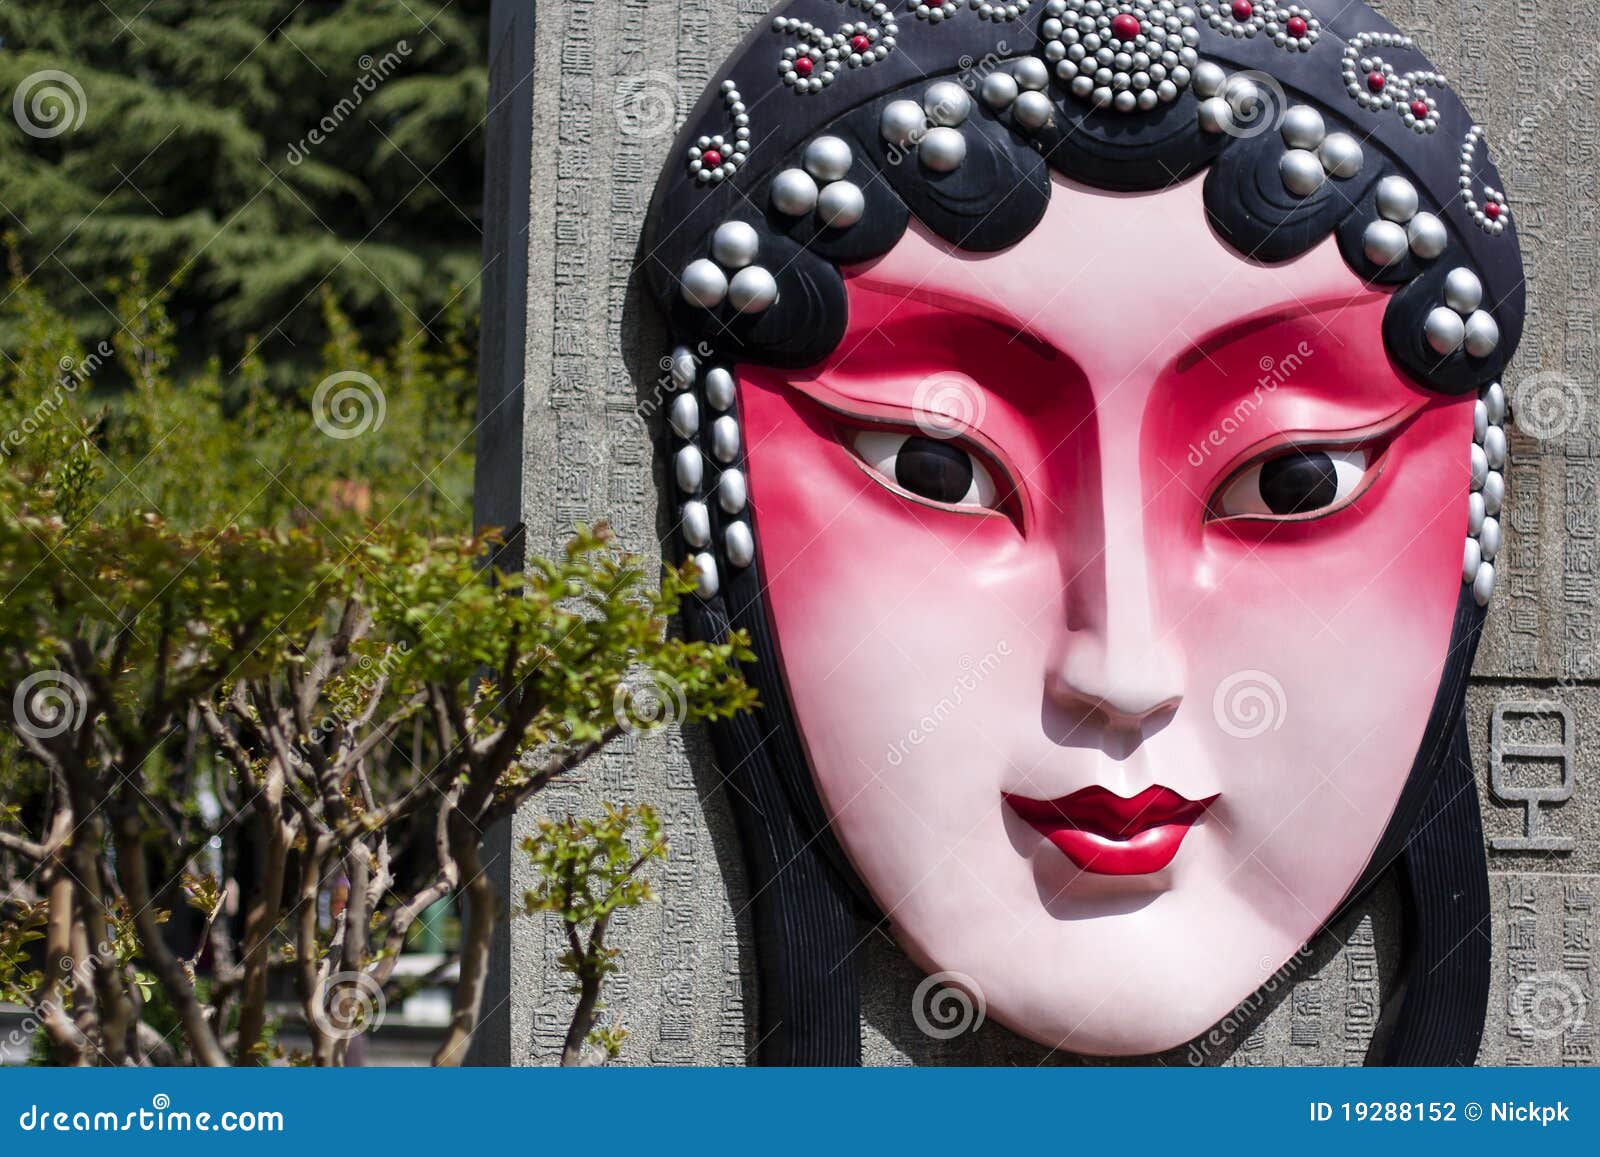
(254, 153)
(245, 665)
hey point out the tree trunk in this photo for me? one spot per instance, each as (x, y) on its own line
(477, 936)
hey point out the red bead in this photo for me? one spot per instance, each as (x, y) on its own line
(860, 42)
(1243, 10)
(711, 159)
(804, 65)
(1419, 109)
(1492, 210)
(1125, 26)
(1376, 81)
(1298, 26)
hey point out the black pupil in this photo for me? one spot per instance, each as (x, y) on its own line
(933, 469)
(1299, 482)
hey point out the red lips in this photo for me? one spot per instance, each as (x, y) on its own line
(1102, 832)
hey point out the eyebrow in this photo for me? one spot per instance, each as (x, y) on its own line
(1236, 331)
(1199, 350)
(952, 302)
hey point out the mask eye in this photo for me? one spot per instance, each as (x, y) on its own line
(932, 468)
(1301, 480)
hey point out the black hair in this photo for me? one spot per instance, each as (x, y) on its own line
(755, 122)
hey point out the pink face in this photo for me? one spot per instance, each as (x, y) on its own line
(1113, 577)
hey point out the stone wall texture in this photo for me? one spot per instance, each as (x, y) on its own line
(610, 82)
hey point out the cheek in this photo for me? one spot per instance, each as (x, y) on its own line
(873, 598)
(1317, 652)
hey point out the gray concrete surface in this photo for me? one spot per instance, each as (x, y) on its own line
(610, 80)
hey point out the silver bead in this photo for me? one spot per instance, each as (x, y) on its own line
(707, 584)
(1428, 236)
(903, 121)
(684, 416)
(943, 149)
(719, 388)
(1494, 447)
(1494, 400)
(794, 193)
(828, 159)
(735, 244)
(1489, 538)
(1341, 155)
(1031, 73)
(1471, 560)
(704, 284)
(752, 290)
(1463, 292)
(1384, 243)
(684, 368)
(1000, 90)
(1444, 330)
(740, 546)
(841, 204)
(1303, 127)
(946, 103)
(1215, 115)
(1494, 493)
(1483, 334)
(1032, 110)
(1208, 79)
(1301, 171)
(696, 525)
(690, 469)
(1483, 585)
(732, 492)
(1480, 421)
(1475, 513)
(1242, 96)
(1480, 467)
(1397, 199)
(725, 439)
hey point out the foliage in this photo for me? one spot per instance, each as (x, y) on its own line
(587, 870)
(262, 149)
(227, 711)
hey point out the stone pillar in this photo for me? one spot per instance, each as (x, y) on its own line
(586, 101)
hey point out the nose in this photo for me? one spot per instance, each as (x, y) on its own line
(1116, 660)
(1120, 683)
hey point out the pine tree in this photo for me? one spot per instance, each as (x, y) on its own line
(258, 154)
